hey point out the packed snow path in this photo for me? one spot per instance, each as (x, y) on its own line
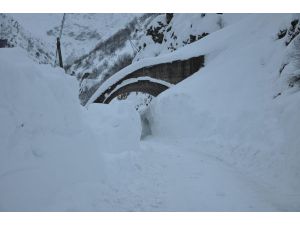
(165, 177)
(170, 178)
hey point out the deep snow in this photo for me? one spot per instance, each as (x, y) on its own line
(46, 143)
(220, 140)
(229, 108)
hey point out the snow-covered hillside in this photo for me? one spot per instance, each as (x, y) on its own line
(15, 35)
(95, 44)
(224, 139)
(108, 56)
(80, 34)
(164, 36)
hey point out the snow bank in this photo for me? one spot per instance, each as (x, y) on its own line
(48, 147)
(228, 110)
(122, 126)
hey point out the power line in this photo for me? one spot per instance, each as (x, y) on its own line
(133, 46)
(62, 25)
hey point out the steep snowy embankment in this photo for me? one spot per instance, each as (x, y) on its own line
(47, 143)
(229, 108)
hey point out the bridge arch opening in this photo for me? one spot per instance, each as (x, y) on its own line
(144, 86)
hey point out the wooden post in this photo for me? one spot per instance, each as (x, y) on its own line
(59, 53)
(169, 17)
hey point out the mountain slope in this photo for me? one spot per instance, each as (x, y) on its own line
(15, 35)
(108, 56)
(81, 32)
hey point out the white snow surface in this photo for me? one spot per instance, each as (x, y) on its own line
(220, 141)
(47, 146)
(228, 109)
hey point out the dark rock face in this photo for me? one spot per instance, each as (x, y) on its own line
(290, 33)
(192, 38)
(5, 44)
(202, 35)
(281, 34)
(156, 33)
(294, 30)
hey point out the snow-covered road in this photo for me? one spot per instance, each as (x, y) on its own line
(163, 176)
(187, 180)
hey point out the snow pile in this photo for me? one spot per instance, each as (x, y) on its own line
(117, 125)
(231, 108)
(49, 144)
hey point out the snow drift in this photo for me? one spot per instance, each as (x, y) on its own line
(48, 146)
(229, 108)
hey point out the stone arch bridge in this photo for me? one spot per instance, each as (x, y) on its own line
(152, 79)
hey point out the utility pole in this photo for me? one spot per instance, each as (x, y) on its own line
(59, 52)
(58, 48)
